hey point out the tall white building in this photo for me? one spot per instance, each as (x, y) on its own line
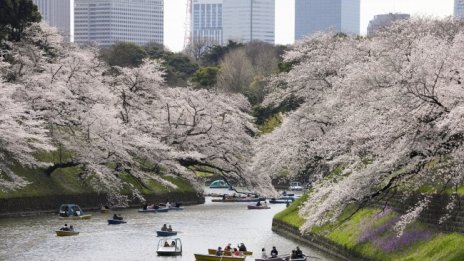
(322, 15)
(207, 21)
(249, 20)
(383, 20)
(106, 22)
(59, 14)
(459, 8)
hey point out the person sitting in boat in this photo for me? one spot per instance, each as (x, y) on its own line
(117, 217)
(259, 203)
(298, 252)
(228, 248)
(236, 252)
(293, 254)
(274, 252)
(177, 205)
(219, 251)
(71, 228)
(145, 206)
(166, 244)
(169, 228)
(263, 253)
(168, 205)
(65, 228)
(242, 247)
(164, 228)
(173, 243)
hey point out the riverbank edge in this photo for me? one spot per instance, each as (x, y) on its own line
(321, 243)
(33, 206)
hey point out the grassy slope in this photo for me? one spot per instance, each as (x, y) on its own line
(440, 246)
(67, 181)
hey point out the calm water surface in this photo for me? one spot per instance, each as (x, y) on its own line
(201, 227)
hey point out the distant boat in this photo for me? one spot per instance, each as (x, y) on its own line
(165, 233)
(258, 207)
(169, 247)
(219, 184)
(63, 233)
(201, 257)
(237, 200)
(153, 210)
(148, 210)
(116, 222)
(295, 186)
(72, 211)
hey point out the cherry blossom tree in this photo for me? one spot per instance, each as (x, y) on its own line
(376, 118)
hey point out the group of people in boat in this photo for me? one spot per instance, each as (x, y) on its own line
(296, 253)
(166, 244)
(258, 204)
(167, 204)
(66, 228)
(236, 251)
(166, 228)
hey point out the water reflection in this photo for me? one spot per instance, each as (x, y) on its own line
(201, 227)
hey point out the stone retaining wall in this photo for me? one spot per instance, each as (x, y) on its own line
(432, 214)
(49, 204)
(323, 244)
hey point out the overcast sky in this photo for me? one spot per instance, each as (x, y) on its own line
(175, 12)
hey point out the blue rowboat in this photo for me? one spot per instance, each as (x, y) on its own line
(116, 222)
(165, 233)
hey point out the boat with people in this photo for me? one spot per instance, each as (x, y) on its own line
(238, 199)
(212, 251)
(72, 211)
(153, 210)
(161, 233)
(116, 222)
(283, 258)
(203, 257)
(169, 247)
(258, 207)
(66, 231)
(62, 233)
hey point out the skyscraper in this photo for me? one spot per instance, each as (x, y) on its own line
(383, 20)
(249, 20)
(321, 15)
(59, 14)
(459, 8)
(207, 21)
(106, 22)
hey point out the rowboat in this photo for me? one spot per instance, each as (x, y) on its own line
(201, 257)
(62, 233)
(237, 200)
(176, 208)
(165, 233)
(212, 251)
(148, 210)
(284, 258)
(258, 207)
(116, 222)
(168, 247)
